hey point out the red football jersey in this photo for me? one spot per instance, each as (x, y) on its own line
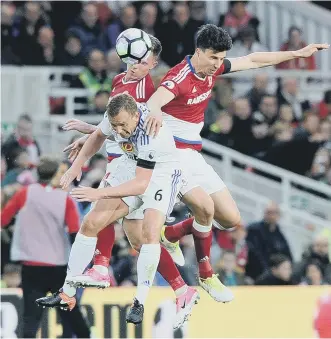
(141, 90)
(185, 113)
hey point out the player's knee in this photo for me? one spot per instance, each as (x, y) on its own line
(92, 225)
(204, 211)
(232, 221)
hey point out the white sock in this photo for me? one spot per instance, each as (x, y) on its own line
(81, 254)
(147, 263)
(201, 228)
(101, 269)
(222, 228)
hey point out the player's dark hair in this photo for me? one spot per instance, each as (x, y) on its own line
(47, 168)
(212, 37)
(121, 102)
(156, 46)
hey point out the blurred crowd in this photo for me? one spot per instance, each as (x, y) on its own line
(272, 126)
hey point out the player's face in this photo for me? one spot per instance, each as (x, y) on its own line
(139, 71)
(124, 123)
(209, 61)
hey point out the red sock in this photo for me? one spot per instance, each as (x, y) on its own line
(202, 242)
(176, 232)
(105, 243)
(169, 271)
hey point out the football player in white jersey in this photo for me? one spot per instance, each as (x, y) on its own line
(148, 177)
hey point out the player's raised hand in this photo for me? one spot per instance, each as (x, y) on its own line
(69, 176)
(78, 125)
(309, 50)
(86, 194)
(75, 148)
(153, 124)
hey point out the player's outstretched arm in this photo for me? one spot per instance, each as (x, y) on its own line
(91, 146)
(80, 126)
(264, 59)
(136, 186)
(155, 103)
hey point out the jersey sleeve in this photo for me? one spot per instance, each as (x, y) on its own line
(175, 82)
(225, 68)
(148, 148)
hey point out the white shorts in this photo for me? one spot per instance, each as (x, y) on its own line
(197, 172)
(111, 170)
(161, 192)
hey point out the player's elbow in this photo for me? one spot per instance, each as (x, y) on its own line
(142, 186)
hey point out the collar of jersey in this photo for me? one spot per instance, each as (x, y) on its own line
(188, 60)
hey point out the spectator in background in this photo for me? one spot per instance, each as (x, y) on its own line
(94, 77)
(242, 125)
(46, 54)
(280, 272)
(235, 18)
(147, 18)
(288, 94)
(220, 130)
(127, 19)
(114, 64)
(324, 107)
(88, 28)
(258, 91)
(309, 127)
(177, 36)
(20, 173)
(313, 274)
(325, 129)
(44, 211)
(7, 38)
(11, 277)
(100, 102)
(321, 165)
(72, 54)
(22, 137)
(199, 11)
(246, 43)
(268, 110)
(226, 269)
(286, 115)
(26, 33)
(295, 42)
(318, 252)
(264, 238)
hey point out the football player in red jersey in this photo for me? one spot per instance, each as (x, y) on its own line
(138, 83)
(183, 96)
